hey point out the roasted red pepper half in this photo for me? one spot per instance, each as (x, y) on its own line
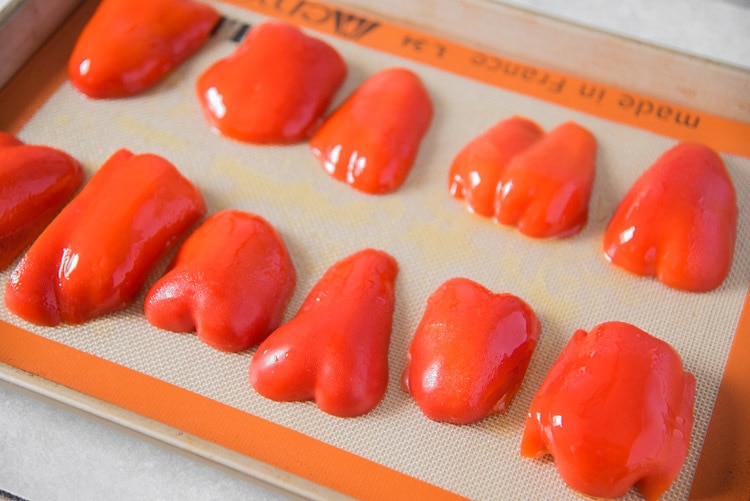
(544, 191)
(477, 169)
(274, 88)
(94, 257)
(35, 182)
(678, 222)
(615, 410)
(335, 350)
(469, 354)
(129, 45)
(230, 282)
(540, 183)
(372, 140)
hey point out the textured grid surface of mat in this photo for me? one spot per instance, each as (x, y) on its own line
(567, 282)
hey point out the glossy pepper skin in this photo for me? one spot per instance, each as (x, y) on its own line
(371, 141)
(230, 282)
(129, 45)
(544, 191)
(678, 222)
(95, 256)
(335, 350)
(35, 182)
(274, 88)
(470, 352)
(615, 410)
(477, 169)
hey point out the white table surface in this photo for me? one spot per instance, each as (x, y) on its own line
(50, 452)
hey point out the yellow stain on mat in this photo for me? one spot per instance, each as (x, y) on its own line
(299, 195)
(442, 242)
(155, 135)
(61, 120)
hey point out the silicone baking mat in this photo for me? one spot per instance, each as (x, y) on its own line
(394, 450)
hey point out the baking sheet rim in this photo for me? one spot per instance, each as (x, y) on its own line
(157, 430)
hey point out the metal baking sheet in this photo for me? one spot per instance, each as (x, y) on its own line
(121, 368)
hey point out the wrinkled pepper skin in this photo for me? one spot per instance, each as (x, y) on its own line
(477, 169)
(470, 352)
(678, 222)
(335, 350)
(371, 141)
(230, 282)
(274, 89)
(129, 45)
(35, 182)
(615, 410)
(94, 257)
(544, 191)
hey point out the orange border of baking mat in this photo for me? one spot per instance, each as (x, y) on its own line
(611, 103)
(723, 470)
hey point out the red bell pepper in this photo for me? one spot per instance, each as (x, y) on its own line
(129, 45)
(230, 282)
(545, 189)
(615, 410)
(372, 140)
(35, 182)
(9, 140)
(335, 350)
(95, 256)
(274, 88)
(678, 222)
(470, 352)
(477, 169)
